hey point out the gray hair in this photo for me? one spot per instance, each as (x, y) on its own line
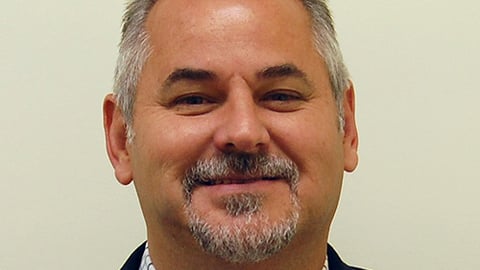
(135, 50)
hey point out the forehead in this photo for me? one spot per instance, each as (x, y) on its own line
(213, 19)
(229, 33)
(194, 13)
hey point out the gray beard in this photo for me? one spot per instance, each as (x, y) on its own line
(246, 204)
(253, 239)
(253, 236)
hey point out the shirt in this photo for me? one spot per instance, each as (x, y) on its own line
(147, 264)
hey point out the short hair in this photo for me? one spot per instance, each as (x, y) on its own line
(134, 50)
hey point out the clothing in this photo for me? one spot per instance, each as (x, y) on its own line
(335, 263)
(135, 259)
(147, 264)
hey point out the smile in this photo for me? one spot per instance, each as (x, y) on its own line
(236, 181)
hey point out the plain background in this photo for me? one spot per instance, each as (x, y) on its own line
(412, 204)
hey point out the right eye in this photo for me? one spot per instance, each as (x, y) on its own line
(193, 104)
(191, 100)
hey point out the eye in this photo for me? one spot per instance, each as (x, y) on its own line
(282, 100)
(191, 100)
(193, 104)
(281, 96)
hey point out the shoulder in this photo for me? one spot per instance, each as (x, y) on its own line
(133, 262)
(334, 260)
(336, 263)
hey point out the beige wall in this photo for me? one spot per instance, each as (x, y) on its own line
(412, 203)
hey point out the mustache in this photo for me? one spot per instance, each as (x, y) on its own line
(247, 165)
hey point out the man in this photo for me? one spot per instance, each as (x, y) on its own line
(235, 121)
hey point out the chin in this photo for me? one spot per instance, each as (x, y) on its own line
(243, 231)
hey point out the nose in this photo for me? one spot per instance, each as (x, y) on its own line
(240, 128)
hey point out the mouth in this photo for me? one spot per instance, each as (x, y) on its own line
(236, 180)
(240, 172)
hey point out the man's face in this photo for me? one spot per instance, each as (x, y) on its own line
(242, 79)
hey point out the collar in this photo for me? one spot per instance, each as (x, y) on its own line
(147, 264)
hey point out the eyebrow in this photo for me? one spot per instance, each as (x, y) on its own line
(188, 74)
(272, 72)
(285, 70)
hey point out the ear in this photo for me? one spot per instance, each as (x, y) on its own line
(116, 140)
(350, 137)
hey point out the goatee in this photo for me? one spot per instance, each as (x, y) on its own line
(252, 236)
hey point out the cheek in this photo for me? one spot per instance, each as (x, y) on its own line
(162, 152)
(315, 144)
(170, 141)
(319, 156)
(321, 173)
(311, 139)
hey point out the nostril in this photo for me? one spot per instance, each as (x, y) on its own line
(241, 131)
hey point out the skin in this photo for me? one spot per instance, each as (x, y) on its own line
(180, 118)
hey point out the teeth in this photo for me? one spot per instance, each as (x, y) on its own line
(211, 182)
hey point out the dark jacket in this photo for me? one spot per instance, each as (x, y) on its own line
(334, 261)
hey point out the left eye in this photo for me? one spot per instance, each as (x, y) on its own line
(283, 101)
(281, 97)
(191, 100)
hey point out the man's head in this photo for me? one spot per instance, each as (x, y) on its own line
(235, 108)
(135, 48)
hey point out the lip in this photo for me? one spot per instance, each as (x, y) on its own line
(230, 186)
(237, 180)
